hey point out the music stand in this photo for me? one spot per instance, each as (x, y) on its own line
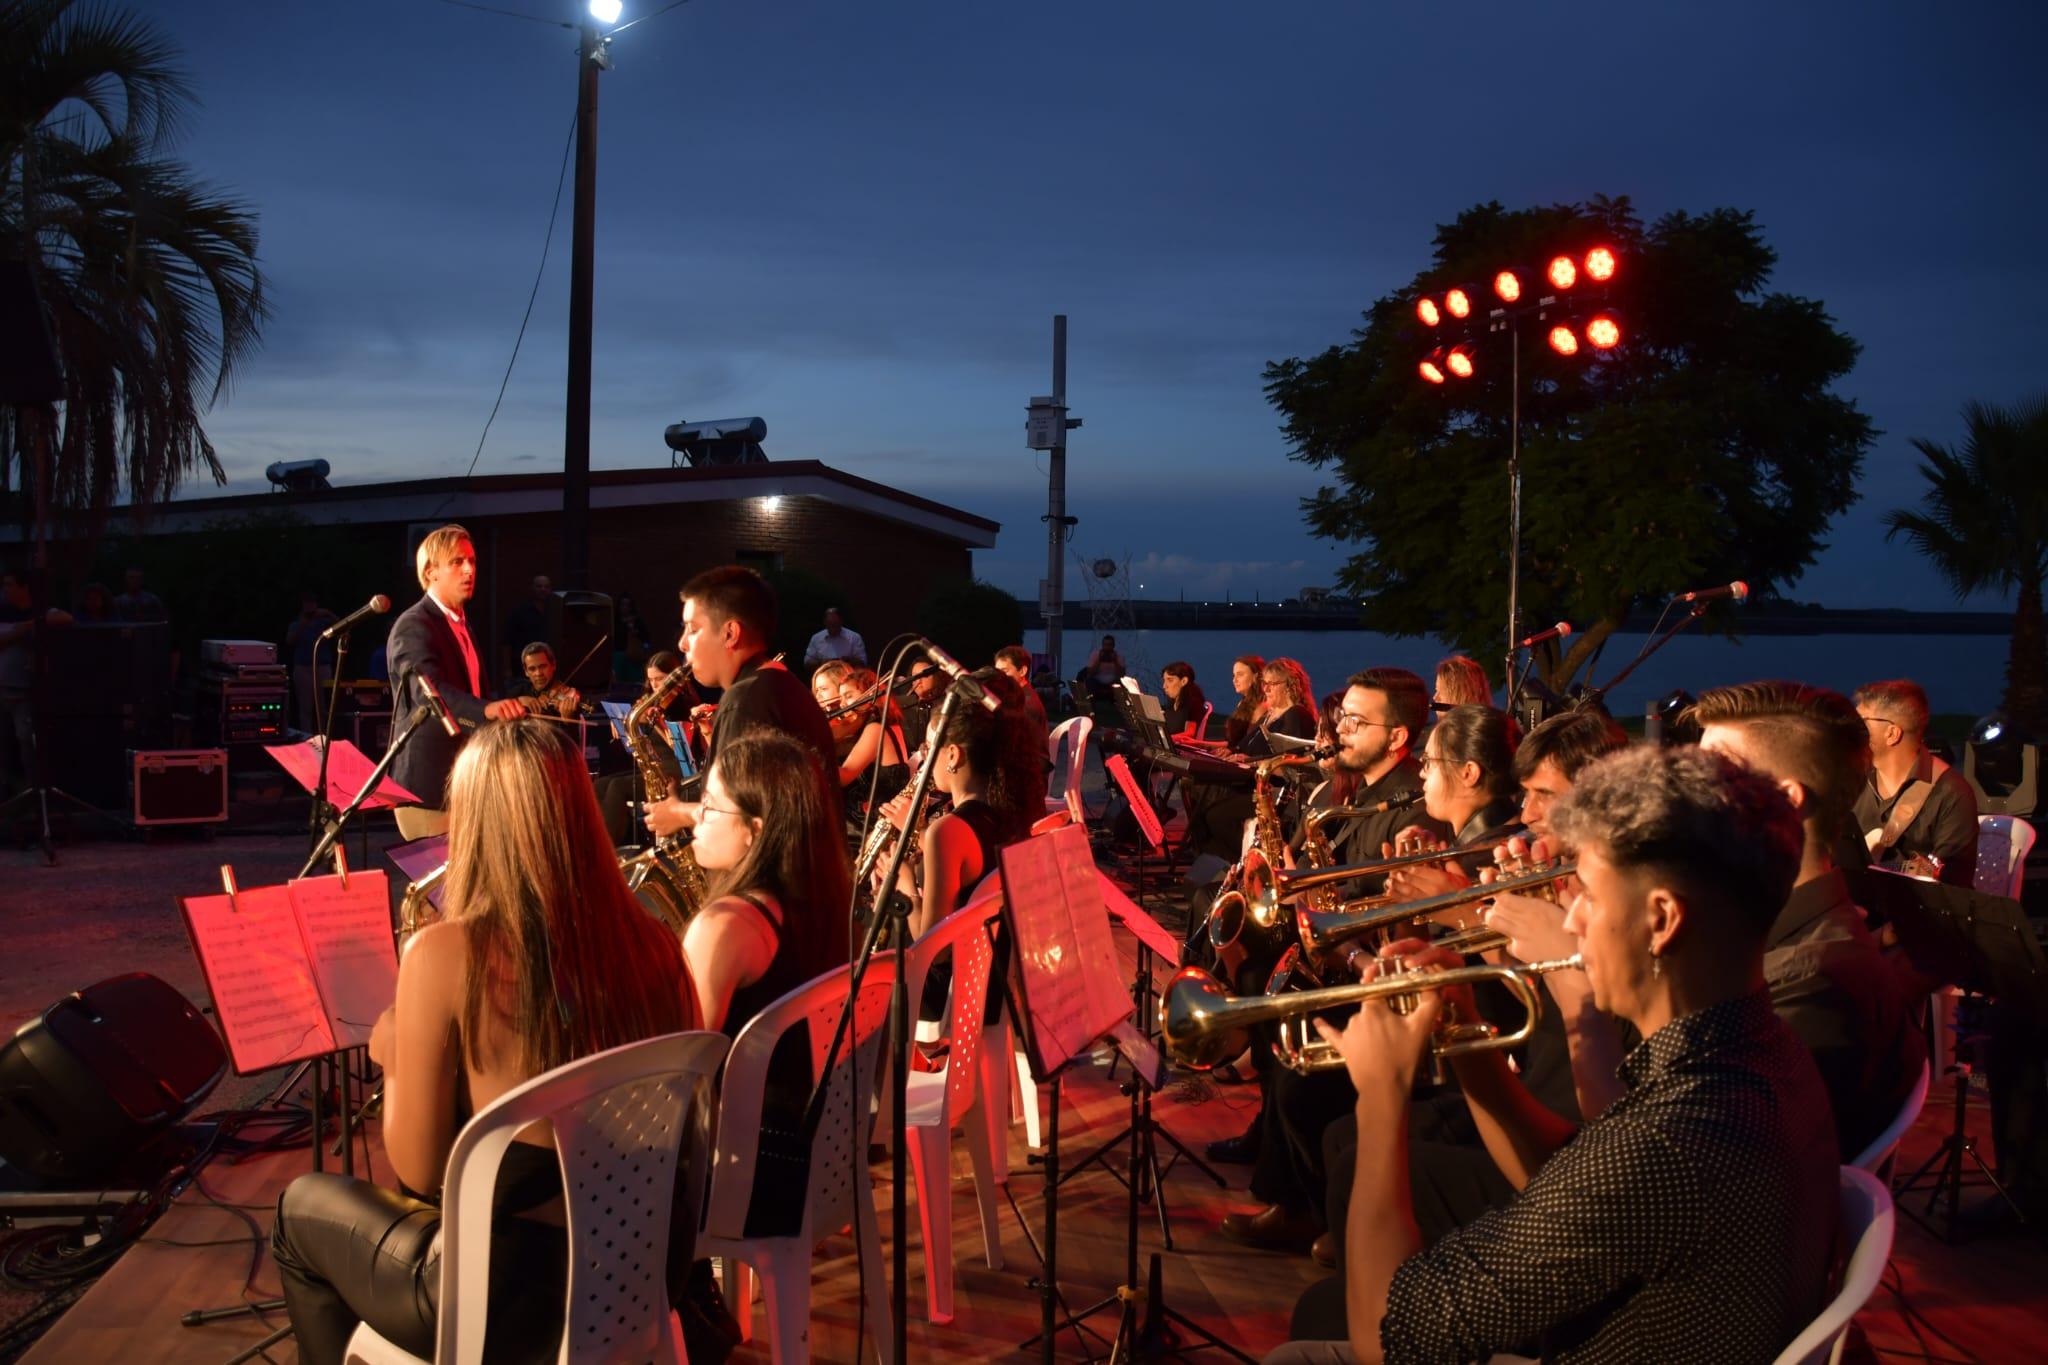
(1984, 946)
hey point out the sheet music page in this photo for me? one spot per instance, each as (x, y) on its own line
(348, 941)
(348, 768)
(1132, 916)
(256, 970)
(1065, 954)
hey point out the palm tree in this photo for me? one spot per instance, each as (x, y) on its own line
(148, 279)
(1984, 523)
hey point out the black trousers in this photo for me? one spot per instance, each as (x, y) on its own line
(350, 1252)
(1290, 1170)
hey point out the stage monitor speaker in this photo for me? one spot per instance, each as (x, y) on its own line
(577, 622)
(97, 1074)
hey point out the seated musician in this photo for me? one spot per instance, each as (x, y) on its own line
(1185, 704)
(537, 661)
(878, 744)
(537, 913)
(825, 682)
(1461, 681)
(1217, 811)
(1914, 806)
(775, 917)
(1246, 674)
(618, 785)
(1014, 663)
(1467, 771)
(1693, 1220)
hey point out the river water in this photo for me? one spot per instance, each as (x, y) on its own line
(1962, 673)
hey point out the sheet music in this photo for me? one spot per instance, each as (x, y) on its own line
(1143, 927)
(1065, 953)
(1141, 805)
(256, 970)
(349, 943)
(347, 770)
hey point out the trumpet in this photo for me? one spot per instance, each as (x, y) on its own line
(1288, 884)
(1322, 930)
(1203, 1025)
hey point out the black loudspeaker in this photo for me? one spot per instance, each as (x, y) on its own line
(577, 622)
(99, 1073)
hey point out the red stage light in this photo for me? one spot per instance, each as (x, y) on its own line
(1507, 286)
(1425, 308)
(1563, 274)
(1457, 305)
(1600, 264)
(1604, 332)
(1459, 361)
(1428, 370)
(1563, 341)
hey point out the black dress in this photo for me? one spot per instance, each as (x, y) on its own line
(782, 1167)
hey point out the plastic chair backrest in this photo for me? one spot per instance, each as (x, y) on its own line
(2003, 843)
(620, 1120)
(1071, 733)
(1866, 1229)
(843, 1127)
(963, 934)
(1208, 710)
(1878, 1154)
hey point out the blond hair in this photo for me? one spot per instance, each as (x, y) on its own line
(436, 547)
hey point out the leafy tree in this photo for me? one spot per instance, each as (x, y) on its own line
(1984, 524)
(972, 620)
(1706, 447)
(148, 279)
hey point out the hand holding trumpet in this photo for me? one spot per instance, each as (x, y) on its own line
(1382, 1046)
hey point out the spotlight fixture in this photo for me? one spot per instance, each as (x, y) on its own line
(1600, 265)
(606, 11)
(1604, 333)
(1563, 274)
(1430, 369)
(1425, 308)
(1564, 341)
(1457, 304)
(1459, 361)
(1508, 286)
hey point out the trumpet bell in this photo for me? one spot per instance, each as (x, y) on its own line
(1189, 1011)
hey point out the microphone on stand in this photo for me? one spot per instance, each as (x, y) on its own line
(376, 606)
(1738, 590)
(969, 685)
(1556, 632)
(436, 705)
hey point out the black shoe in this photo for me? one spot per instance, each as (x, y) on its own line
(1241, 1150)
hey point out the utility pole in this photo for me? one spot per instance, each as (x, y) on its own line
(593, 55)
(1045, 428)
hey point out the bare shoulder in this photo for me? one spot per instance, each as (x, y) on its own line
(437, 959)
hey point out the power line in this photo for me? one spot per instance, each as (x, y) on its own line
(554, 214)
(508, 13)
(673, 4)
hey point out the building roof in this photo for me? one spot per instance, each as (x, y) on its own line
(499, 495)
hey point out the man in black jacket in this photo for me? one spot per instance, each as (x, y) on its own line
(728, 620)
(431, 639)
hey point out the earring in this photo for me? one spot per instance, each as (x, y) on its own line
(954, 766)
(1656, 966)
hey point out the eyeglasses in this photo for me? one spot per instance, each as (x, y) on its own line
(1428, 761)
(1347, 722)
(710, 809)
(1879, 720)
(1273, 682)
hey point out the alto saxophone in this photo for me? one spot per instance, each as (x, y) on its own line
(671, 855)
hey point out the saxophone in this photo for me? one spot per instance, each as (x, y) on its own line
(1234, 920)
(681, 889)
(881, 839)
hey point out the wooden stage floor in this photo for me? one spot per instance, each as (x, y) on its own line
(1988, 1297)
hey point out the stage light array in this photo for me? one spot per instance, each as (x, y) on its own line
(1560, 274)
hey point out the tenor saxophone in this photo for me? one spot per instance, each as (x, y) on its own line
(672, 855)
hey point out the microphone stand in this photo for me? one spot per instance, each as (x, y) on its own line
(1596, 695)
(339, 823)
(891, 915)
(323, 810)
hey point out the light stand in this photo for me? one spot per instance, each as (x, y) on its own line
(891, 917)
(323, 810)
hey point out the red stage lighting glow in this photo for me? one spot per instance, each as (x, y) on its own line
(1563, 341)
(1507, 286)
(1428, 370)
(1457, 305)
(1425, 308)
(1459, 361)
(1604, 332)
(1563, 274)
(1600, 265)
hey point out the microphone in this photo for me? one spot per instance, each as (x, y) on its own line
(435, 704)
(376, 606)
(965, 681)
(1738, 590)
(1556, 632)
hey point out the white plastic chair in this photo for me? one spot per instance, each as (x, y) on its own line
(1208, 710)
(840, 1189)
(620, 1120)
(1877, 1157)
(1066, 748)
(937, 1101)
(1866, 1229)
(2003, 843)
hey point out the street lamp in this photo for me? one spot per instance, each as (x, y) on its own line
(593, 55)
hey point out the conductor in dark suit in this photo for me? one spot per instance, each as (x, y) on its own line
(432, 638)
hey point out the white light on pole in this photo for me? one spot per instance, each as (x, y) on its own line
(606, 11)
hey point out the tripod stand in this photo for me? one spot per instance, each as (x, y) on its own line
(40, 791)
(1948, 1182)
(1146, 1176)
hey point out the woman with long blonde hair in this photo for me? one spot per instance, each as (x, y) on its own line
(543, 957)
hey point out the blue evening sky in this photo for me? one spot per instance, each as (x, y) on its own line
(856, 220)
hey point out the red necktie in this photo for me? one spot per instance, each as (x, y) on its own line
(476, 684)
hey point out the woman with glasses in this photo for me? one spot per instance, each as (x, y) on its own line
(1468, 784)
(1217, 811)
